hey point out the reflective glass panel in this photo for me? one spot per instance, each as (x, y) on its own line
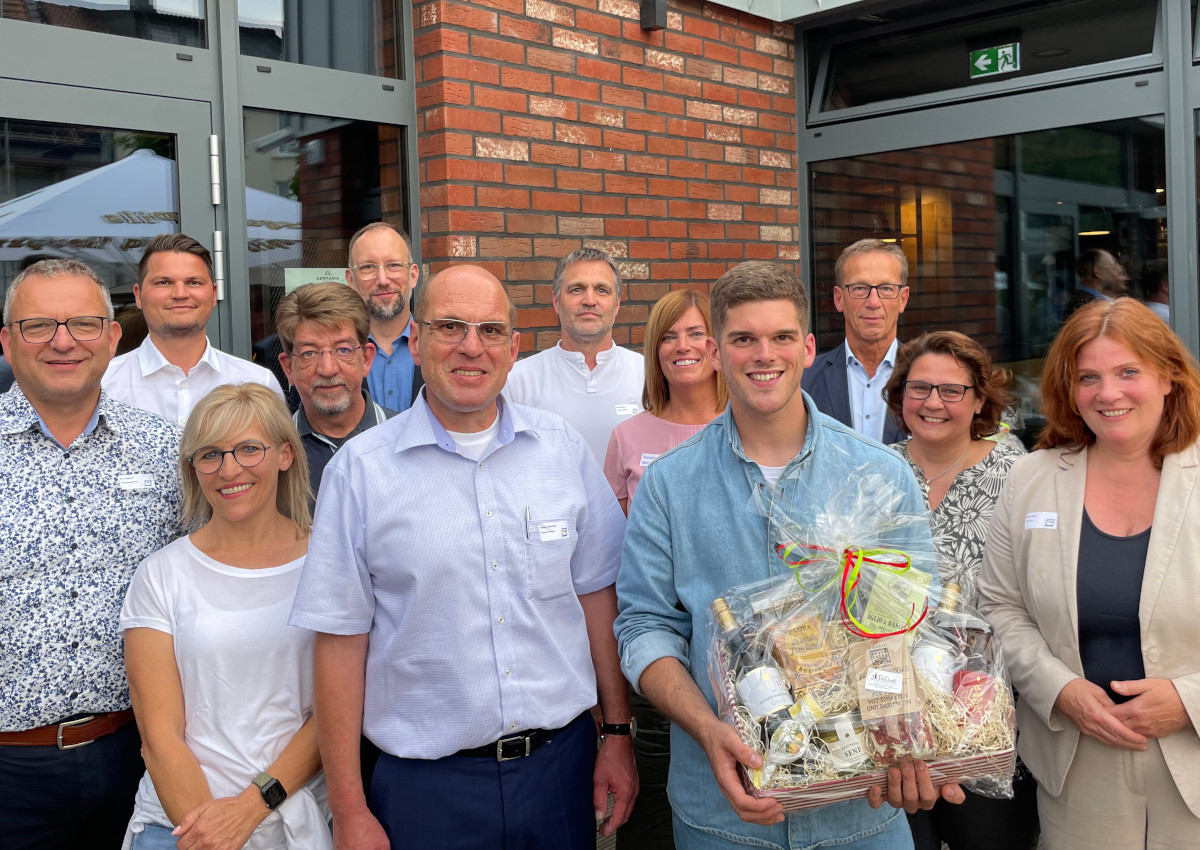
(311, 182)
(879, 58)
(87, 193)
(350, 35)
(171, 21)
(992, 229)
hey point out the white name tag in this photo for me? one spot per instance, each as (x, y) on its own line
(1041, 519)
(555, 529)
(884, 680)
(647, 458)
(628, 409)
(135, 481)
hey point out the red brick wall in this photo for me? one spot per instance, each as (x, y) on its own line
(546, 126)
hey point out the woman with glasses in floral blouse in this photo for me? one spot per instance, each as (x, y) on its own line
(221, 684)
(947, 396)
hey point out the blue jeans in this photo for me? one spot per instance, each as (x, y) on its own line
(895, 836)
(154, 837)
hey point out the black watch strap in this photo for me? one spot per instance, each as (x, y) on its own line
(627, 729)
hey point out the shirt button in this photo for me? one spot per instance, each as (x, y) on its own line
(487, 513)
(74, 695)
(506, 671)
(74, 594)
(73, 546)
(868, 416)
(74, 644)
(495, 566)
(1152, 655)
(66, 455)
(500, 619)
(70, 498)
(512, 726)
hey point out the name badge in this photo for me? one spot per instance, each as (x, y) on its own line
(1041, 519)
(628, 409)
(135, 481)
(555, 529)
(647, 458)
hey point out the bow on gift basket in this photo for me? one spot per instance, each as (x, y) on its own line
(853, 657)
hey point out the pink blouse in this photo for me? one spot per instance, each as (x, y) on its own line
(635, 443)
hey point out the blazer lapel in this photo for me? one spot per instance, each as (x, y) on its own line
(836, 386)
(1174, 495)
(1068, 490)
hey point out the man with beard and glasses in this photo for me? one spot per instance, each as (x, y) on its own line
(176, 365)
(326, 355)
(586, 379)
(383, 273)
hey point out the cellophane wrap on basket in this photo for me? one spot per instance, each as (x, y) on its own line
(852, 658)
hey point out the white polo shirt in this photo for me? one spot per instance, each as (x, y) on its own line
(143, 378)
(593, 401)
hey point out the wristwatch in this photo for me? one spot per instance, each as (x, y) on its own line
(272, 790)
(629, 728)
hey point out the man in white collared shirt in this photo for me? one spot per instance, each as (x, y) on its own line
(176, 365)
(871, 291)
(586, 379)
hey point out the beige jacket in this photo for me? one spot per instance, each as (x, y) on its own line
(1027, 592)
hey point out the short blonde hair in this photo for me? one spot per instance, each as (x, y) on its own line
(666, 312)
(226, 412)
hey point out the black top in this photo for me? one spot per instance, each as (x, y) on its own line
(1108, 587)
(319, 449)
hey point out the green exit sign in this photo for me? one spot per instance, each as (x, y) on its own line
(1001, 59)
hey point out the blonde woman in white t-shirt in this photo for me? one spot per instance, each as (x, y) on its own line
(221, 685)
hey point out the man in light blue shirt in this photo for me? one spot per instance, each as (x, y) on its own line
(847, 383)
(693, 534)
(383, 273)
(465, 620)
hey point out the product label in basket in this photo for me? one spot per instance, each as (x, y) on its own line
(764, 691)
(884, 680)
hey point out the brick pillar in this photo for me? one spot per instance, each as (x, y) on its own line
(547, 126)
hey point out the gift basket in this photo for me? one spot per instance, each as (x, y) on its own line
(852, 658)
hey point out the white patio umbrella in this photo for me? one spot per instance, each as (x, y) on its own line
(108, 214)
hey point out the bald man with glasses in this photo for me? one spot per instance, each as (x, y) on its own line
(871, 291)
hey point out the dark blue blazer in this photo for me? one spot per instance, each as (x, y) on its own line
(825, 381)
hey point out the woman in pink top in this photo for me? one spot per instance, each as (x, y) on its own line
(683, 393)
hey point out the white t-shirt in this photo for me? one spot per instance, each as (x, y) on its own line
(143, 378)
(593, 401)
(246, 676)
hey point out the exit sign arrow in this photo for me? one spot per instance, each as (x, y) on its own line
(1001, 59)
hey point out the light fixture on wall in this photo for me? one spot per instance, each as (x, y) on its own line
(654, 14)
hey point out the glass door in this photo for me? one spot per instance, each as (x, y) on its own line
(93, 176)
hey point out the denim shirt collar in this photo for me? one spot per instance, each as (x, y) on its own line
(812, 435)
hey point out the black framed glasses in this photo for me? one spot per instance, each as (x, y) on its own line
(862, 291)
(309, 359)
(920, 390)
(370, 271)
(455, 331)
(81, 328)
(247, 453)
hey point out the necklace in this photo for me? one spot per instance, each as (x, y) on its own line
(929, 481)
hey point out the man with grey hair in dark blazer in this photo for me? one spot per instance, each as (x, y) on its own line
(871, 291)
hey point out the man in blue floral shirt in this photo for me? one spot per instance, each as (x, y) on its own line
(88, 487)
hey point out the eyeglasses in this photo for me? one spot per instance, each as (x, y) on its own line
(247, 453)
(81, 328)
(309, 359)
(862, 291)
(946, 392)
(370, 271)
(455, 331)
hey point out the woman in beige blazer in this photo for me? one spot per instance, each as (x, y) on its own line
(1091, 571)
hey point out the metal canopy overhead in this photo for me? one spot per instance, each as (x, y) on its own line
(791, 10)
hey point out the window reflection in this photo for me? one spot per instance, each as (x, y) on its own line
(359, 36)
(311, 182)
(993, 229)
(170, 21)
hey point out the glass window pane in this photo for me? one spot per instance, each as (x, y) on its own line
(359, 36)
(884, 62)
(87, 193)
(170, 21)
(311, 182)
(992, 229)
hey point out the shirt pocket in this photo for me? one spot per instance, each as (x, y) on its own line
(549, 546)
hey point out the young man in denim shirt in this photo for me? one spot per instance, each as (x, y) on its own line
(692, 534)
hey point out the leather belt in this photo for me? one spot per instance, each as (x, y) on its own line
(513, 747)
(70, 733)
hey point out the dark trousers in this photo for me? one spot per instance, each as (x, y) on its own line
(982, 823)
(650, 826)
(540, 802)
(52, 799)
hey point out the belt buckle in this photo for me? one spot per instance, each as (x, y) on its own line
(79, 721)
(500, 748)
